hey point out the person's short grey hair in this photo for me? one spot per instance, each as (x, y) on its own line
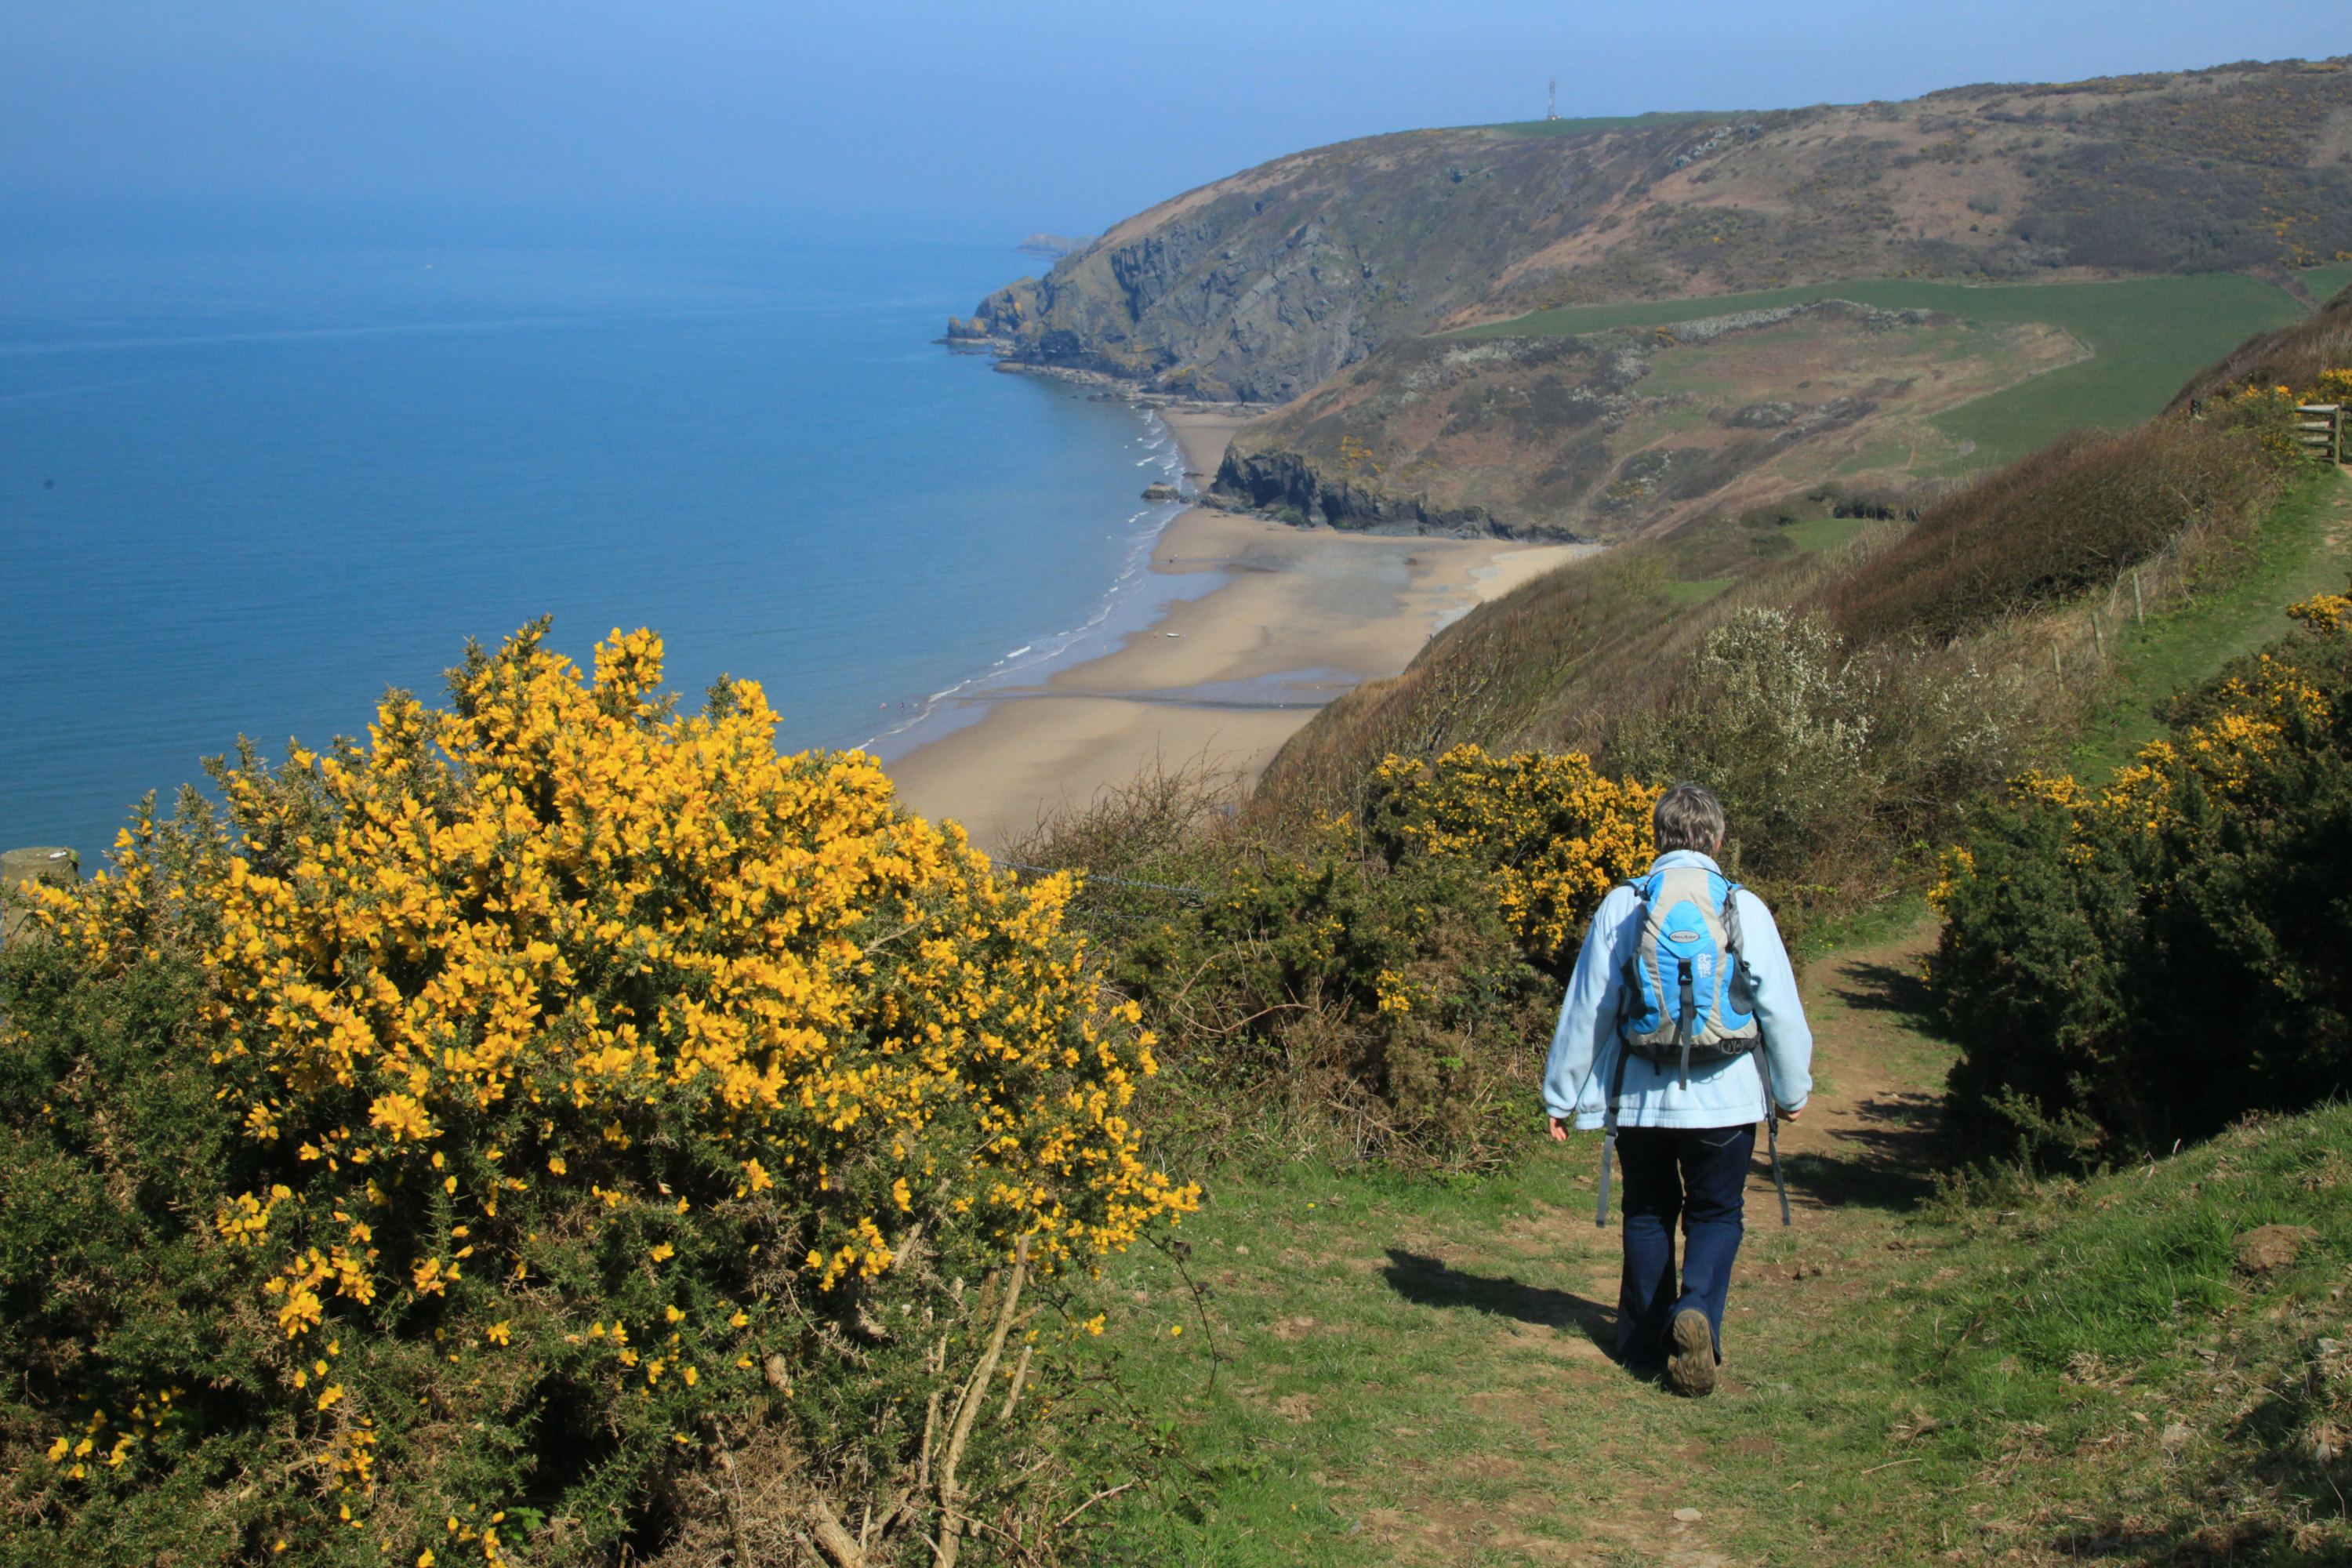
(1689, 816)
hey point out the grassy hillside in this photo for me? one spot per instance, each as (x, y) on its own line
(2325, 282)
(1261, 285)
(2303, 547)
(2008, 602)
(1612, 434)
(2146, 335)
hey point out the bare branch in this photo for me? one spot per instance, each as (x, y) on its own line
(1020, 1376)
(950, 1498)
(1064, 1522)
(831, 1539)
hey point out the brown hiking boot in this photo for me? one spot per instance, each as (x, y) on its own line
(1690, 1370)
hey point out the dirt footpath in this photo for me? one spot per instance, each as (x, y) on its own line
(1423, 1376)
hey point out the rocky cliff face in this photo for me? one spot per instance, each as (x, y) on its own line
(1261, 285)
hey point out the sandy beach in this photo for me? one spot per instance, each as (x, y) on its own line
(1302, 615)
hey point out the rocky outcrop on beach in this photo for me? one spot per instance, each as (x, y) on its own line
(1289, 486)
(1260, 286)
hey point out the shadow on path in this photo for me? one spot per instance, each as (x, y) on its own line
(1428, 1281)
(1881, 1160)
(1873, 1144)
(1895, 989)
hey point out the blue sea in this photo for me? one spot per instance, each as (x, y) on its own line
(245, 492)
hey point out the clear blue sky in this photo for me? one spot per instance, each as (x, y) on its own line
(758, 116)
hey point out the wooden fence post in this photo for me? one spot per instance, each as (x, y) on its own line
(2320, 425)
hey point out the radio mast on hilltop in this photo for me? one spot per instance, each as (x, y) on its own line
(1551, 99)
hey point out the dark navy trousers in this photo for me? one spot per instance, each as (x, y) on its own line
(1698, 1177)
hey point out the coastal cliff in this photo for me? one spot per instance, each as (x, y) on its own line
(1258, 287)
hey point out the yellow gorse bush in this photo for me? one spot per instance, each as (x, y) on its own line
(560, 986)
(2324, 614)
(1554, 834)
(2142, 800)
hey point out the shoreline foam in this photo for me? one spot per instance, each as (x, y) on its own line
(1292, 617)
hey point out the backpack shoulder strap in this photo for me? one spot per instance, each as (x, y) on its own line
(1731, 891)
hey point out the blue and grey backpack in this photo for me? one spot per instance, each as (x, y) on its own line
(1687, 977)
(1688, 997)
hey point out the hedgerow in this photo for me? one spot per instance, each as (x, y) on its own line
(479, 1135)
(2128, 966)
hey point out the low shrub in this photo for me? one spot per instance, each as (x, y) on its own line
(2130, 966)
(1378, 985)
(1550, 833)
(481, 1137)
(1824, 757)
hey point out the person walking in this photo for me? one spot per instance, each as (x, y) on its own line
(1682, 989)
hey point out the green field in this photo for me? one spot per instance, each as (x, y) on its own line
(2326, 282)
(2147, 336)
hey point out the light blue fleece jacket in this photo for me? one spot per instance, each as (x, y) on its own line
(1586, 1045)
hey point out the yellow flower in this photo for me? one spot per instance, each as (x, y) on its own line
(563, 909)
(1555, 835)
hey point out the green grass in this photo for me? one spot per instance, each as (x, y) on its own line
(2325, 282)
(2090, 1316)
(1868, 927)
(1379, 1370)
(1700, 591)
(1826, 532)
(1374, 1346)
(2146, 335)
(2293, 558)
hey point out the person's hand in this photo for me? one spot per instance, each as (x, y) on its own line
(1791, 1113)
(1558, 1132)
